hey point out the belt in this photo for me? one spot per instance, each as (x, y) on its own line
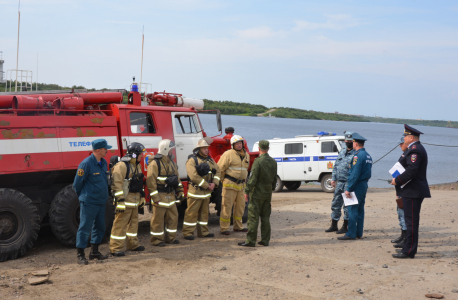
(234, 179)
(342, 180)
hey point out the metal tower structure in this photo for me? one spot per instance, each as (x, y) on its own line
(2, 74)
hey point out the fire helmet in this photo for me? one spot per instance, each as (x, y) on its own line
(236, 139)
(135, 149)
(165, 146)
(204, 142)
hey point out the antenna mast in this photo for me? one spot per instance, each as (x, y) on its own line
(141, 69)
(17, 56)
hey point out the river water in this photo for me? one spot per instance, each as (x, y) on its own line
(381, 138)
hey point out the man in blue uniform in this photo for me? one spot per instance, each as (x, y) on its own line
(91, 186)
(414, 188)
(360, 173)
(339, 181)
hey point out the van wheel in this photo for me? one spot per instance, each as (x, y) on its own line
(293, 185)
(326, 184)
(19, 224)
(279, 185)
(64, 216)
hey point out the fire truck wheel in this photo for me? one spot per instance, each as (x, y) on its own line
(279, 185)
(326, 184)
(19, 224)
(64, 216)
(292, 185)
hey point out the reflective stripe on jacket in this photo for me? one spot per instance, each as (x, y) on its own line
(199, 187)
(153, 179)
(233, 164)
(118, 184)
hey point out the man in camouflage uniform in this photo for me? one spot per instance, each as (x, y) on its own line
(339, 181)
(259, 188)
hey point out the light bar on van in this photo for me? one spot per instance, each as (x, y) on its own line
(326, 133)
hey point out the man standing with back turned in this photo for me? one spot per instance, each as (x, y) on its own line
(91, 186)
(262, 182)
(414, 188)
(360, 173)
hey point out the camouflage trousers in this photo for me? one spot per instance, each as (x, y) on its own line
(402, 222)
(338, 202)
(258, 209)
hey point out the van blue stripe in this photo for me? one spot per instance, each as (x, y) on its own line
(305, 158)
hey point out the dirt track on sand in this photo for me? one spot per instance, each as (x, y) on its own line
(302, 261)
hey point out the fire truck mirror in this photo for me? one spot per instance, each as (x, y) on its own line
(218, 121)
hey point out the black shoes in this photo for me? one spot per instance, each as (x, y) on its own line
(344, 228)
(95, 254)
(225, 233)
(261, 243)
(400, 244)
(345, 237)
(243, 244)
(241, 230)
(118, 253)
(175, 242)
(81, 259)
(209, 235)
(401, 255)
(139, 248)
(333, 226)
(189, 238)
(161, 244)
(400, 238)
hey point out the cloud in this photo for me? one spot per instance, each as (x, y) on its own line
(256, 33)
(335, 22)
(122, 22)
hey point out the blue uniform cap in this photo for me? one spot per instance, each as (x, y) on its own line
(409, 130)
(357, 137)
(100, 143)
(348, 135)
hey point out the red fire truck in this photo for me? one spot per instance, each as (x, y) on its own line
(45, 136)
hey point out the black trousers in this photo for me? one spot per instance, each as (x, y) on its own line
(412, 207)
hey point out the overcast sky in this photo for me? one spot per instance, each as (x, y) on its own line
(384, 58)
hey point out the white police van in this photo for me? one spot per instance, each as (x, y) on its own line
(308, 158)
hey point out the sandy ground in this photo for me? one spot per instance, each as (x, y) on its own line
(302, 261)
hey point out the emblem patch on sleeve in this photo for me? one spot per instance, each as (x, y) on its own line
(355, 160)
(414, 147)
(413, 158)
(80, 172)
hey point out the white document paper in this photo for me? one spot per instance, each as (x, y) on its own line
(397, 170)
(350, 201)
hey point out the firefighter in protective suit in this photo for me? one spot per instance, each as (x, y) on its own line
(203, 178)
(163, 182)
(234, 165)
(128, 191)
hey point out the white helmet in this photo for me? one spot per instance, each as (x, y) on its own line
(165, 146)
(204, 142)
(236, 139)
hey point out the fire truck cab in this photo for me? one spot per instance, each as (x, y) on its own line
(45, 136)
